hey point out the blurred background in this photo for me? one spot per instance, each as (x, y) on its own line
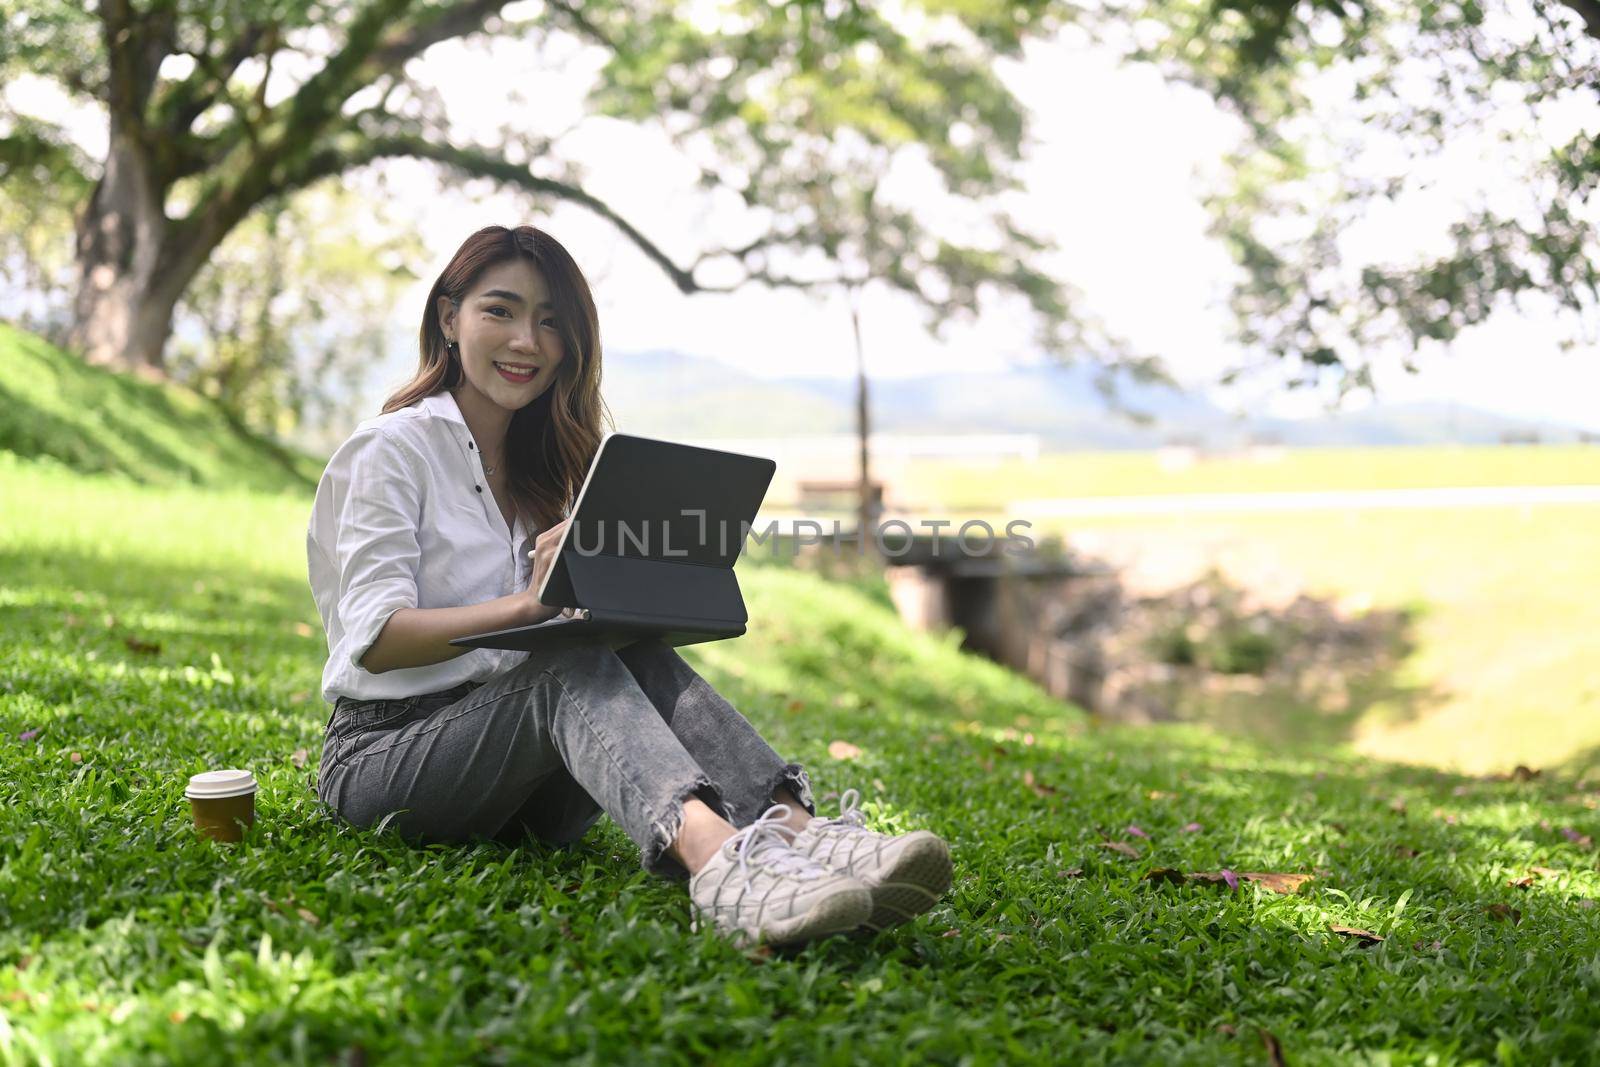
(1275, 323)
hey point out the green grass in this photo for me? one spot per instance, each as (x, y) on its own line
(93, 420)
(124, 939)
(1506, 627)
(964, 485)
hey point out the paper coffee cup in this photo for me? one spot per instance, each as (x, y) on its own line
(224, 803)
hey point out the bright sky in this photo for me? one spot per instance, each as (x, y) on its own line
(1111, 177)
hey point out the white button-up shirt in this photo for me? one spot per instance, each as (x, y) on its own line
(404, 518)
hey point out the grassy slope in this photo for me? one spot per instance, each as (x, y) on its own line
(124, 939)
(96, 421)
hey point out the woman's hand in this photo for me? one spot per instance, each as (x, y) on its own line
(543, 555)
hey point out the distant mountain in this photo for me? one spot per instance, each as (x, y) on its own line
(673, 394)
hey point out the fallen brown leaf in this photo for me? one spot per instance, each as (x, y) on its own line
(1524, 773)
(1274, 881)
(951, 933)
(1277, 882)
(1545, 872)
(147, 648)
(1274, 1049)
(1366, 937)
(843, 750)
(1406, 852)
(1164, 874)
(1157, 794)
(1214, 878)
(1505, 912)
(1121, 847)
(1070, 872)
(1228, 1029)
(1039, 788)
(795, 706)
(298, 757)
(309, 916)
(1521, 883)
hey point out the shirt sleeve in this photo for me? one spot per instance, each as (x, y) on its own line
(376, 549)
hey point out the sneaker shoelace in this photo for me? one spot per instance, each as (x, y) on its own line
(849, 817)
(762, 835)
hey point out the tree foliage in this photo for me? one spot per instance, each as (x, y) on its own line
(1357, 114)
(1348, 110)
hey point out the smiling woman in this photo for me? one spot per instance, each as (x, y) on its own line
(445, 743)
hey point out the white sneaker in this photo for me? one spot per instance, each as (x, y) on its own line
(906, 873)
(756, 888)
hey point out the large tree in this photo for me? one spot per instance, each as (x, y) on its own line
(793, 105)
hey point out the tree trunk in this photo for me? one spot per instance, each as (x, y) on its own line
(129, 275)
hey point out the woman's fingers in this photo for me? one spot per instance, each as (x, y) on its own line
(548, 539)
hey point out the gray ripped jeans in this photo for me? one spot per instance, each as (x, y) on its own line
(544, 748)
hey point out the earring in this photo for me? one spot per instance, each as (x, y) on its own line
(451, 347)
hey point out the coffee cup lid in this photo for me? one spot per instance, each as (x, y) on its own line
(213, 785)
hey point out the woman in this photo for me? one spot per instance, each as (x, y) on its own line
(420, 533)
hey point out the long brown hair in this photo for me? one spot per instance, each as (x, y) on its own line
(551, 442)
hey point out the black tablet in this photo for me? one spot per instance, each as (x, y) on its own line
(655, 532)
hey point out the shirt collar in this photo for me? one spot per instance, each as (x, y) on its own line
(442, 405)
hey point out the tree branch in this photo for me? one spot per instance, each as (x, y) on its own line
(176, 109)
(477, 163)
(412, 41)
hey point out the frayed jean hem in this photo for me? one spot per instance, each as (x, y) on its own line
(793, 777)
(654, 856)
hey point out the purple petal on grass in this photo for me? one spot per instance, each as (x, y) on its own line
(1193, 828)
(28, 735)
(1136, 832)
(1229, 877)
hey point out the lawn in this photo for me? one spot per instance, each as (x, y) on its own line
(151, 631)
(1507, 627)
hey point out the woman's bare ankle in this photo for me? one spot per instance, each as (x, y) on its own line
(703, 833)
(798, 815)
